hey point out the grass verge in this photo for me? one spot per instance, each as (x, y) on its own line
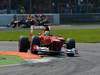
(80, 35)
(8, 60)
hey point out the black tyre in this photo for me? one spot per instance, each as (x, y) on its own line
(34, 52)
(35, 41)
(13, 25)
(24, 44)
(70, 55)
(70, 43)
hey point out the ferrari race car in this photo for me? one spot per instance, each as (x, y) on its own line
(46, 43)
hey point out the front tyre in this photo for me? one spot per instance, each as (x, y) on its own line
(70, 55)
(70, 43)
(24, 44)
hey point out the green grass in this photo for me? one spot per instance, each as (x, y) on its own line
(11, 35)
(8, 60)
(80, 35)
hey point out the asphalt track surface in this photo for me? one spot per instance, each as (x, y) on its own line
(57, 27)
(87, 63)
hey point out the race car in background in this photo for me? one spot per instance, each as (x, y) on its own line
(46, 43)
(23, 23)
(26, 22)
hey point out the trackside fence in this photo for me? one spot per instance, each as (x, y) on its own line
(79, 18)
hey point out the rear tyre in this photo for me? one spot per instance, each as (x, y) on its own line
(34, 52)
(35, 41)
(24, 44)
(13, 25)
(70, 43)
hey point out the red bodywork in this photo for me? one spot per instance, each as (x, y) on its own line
(52, 42)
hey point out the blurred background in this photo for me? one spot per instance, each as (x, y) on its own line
(49, 6)
(61, 11)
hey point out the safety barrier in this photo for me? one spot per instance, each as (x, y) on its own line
(79, 18)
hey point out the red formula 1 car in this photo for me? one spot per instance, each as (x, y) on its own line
(46, 43)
